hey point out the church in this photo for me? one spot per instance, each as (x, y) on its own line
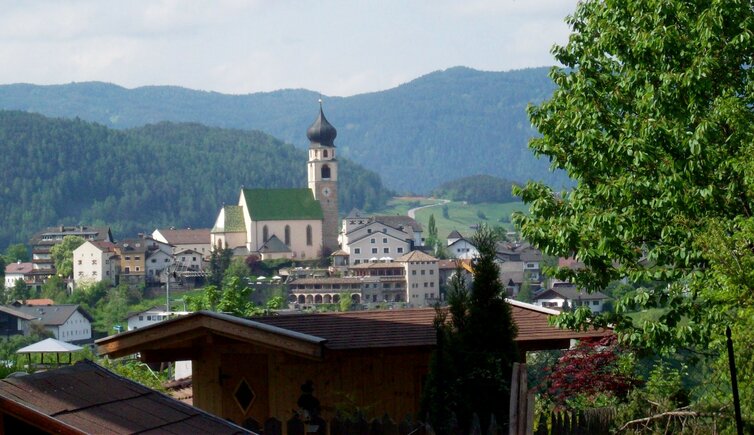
(288, 223)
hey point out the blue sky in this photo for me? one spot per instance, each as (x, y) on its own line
(232, 46)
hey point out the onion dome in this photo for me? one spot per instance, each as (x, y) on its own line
(321, 132)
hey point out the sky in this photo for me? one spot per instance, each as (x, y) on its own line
(336, 47)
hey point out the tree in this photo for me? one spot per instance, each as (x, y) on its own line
(652, 117)
(219, 261)
(17, 252)
(62, 255)
(432, 227)
(20, 291)
(476, 348)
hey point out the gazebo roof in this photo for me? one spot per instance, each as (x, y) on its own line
(50, 345)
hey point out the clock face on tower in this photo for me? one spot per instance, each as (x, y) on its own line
(326, 191)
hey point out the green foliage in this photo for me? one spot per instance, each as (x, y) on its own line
(146, 188)
(477, 189)
(471, 368)
(137, 371)
(219, 261)
(20, 291)
(345, 304)
(525, 294)
(15, 253)
(62, 255)
(652, 117)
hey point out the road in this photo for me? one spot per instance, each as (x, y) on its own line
(412, 212)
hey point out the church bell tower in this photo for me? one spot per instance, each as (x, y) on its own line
(323, 176)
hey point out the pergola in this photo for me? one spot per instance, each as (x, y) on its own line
(50, 345)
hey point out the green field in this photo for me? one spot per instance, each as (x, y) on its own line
(461, 216)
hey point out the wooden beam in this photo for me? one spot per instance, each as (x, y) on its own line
(266, 338)
(162, 355)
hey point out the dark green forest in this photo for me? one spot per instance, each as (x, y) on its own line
(447, 124)
(476, 189)
(70, 172)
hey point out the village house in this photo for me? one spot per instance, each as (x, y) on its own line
(14, 322)
(66, 322)
(370, 238)
(374, 360)
(460, 247)
(568, 296)
(198, 239)
(95, 261)
(412, 278)
(18, 271)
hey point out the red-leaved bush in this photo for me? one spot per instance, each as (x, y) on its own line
(586, 371)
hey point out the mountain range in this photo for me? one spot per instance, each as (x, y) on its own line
(442, 126)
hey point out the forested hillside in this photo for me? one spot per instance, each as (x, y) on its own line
(444, 125)
(477, 189)
(70, 171)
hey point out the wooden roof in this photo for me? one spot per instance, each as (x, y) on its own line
(309, 335)
(86, 398)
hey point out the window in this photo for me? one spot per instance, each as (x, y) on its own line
(138, 268)
(400, 250)
(369, 230)
(432, 284)
(355, 262)
(423, 271)
(193, 258)
(265, 234)
(167, 260)
(79, 262)
(81, 273)
(287, 234)
(425, 285)
(183, 258)
(374, 250)
(431, 271)
(128, 257)
(94, 273)
(357, 251)
(372, 241)
(149, 318)
(308, 235)
(324, 153)
(595, 303)
(325, 172)
(413, 272)
(384, 240)
(154, 260)
(137, 258)
(385, 250)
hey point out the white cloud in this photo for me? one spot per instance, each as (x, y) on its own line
(337, 47)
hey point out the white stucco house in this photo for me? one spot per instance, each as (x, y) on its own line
(67, 322)
(95, 261)
(569, 295)
(18, 270)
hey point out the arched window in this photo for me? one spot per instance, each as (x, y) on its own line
(324, 153)
(287, 234)
(308, 235)
(325, 172)
(265, 234)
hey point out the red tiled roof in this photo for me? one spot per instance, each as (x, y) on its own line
(91, 399)
(22, 268)
(40, 302)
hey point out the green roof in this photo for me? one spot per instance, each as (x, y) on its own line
(282, 204)
(233, 220)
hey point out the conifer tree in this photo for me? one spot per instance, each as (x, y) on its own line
(471, 369)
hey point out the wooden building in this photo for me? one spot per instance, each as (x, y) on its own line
(375, 361)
